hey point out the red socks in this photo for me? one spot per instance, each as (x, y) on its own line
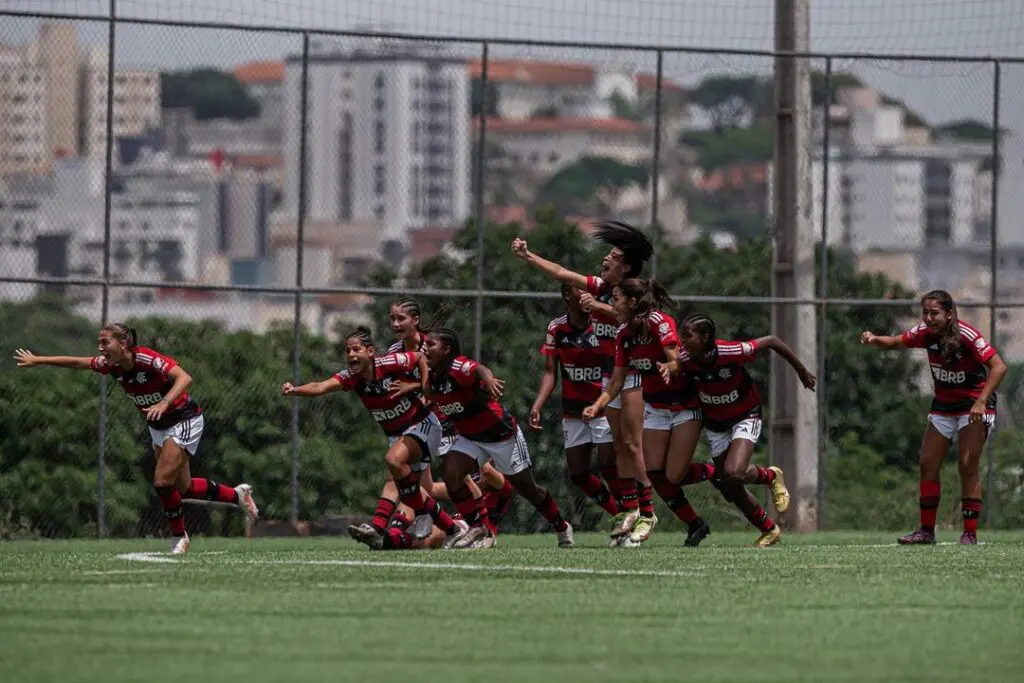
(970, 508)
(930, 495)
(382, 515)
(208, 489)
(549, 509)
(170, 499)
(765, 476)
(595, 489)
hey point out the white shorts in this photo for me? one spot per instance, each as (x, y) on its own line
(186, 434)
(633, 381)
(446, 444)
(950, 425)
(510, 456)
(749, 429)
(428, 433)
(579, 433)
(665, 420)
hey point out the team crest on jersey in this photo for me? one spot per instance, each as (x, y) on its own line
(933, 347)
(140, 377)
(725, 373)
(663, 328)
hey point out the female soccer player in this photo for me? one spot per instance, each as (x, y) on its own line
(630, 249)
(158, 386)
(414, 434)
(570, 350)
(671, 418)
(966, 371)
(467, 392)
(732, 414)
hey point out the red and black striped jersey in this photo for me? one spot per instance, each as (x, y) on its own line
(399, 346)
(642, 352)
(464, 400)
(958, 381)
(604, 326)
(147, 382)
(581, 364)
(726, 390)
(394, 415)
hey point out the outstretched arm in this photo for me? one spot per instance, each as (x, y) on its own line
(547, 385)
(312, 388)
(494, 385)
(27, 359)
(549, 267)
(881, 341)
(782, 348)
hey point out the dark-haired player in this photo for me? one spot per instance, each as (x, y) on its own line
(467, 392)
(732, 414)
(630, 250)
(966, 371)
(158, 386)
(672, 425)
(383, 385)
(571, 352)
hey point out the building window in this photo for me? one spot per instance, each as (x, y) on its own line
(378, 137)
(378, 212)
(378, 180)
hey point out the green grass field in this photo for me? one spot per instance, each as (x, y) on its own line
(826, 607)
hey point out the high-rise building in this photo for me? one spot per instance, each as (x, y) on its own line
(59, 57)
(136, 104)
(23, 135)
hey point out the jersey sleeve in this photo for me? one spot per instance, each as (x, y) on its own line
(550, 346)
(156, 360)
(738, 351)
(979, 346)
(915, 337)
(621, 354)
(463, 371)
(403, 361)
(663, 328)
(348, 381)
(594, 285)
(100, 365)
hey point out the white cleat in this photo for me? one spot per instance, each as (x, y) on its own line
(485, 543)
(565, 537)
(179, 545)
(475, 534)
(461, 529)
(246, 502)
(421, 527)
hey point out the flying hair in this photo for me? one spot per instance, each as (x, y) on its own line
(949, 338)
(634, 244)
(650, 296)
(123, 334)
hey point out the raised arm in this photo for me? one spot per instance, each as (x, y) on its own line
(547, 385)
(880, 341)
(782, 348)
(312, 388)
(494, 385)
(520, 249)
(27, 359)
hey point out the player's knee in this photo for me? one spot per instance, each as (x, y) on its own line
(734, 471)
(968, 467)
(395, 462)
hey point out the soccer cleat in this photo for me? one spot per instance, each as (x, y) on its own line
(421, 527)
(770, 537)
(457, 534)
(623, 522)
(474, 534)
(616, 541)
(780, 494)
(179, 545)
(565, 539)
(919, 537)
(968, 538)
(628, 542)
(367, 535)
(485, 543)
(697, 533)
(643, 528)
(246, 502)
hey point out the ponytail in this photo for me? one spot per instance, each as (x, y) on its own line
(650, 295)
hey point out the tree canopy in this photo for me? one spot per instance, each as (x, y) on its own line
(209, 93)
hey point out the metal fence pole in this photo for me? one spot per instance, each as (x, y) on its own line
(656, 162)
(993, 263)
(478, 209)
(300, 244)
(101, 467)
(823, 293)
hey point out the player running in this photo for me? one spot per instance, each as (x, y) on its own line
(672, 419)
(414, 433)
(158, 386)
(571, 351)
(966, 371)
(467, 392)
(732, 414)
(630, 249)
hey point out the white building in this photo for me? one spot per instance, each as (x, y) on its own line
(136, 103)
(388, 137)
(24, 146)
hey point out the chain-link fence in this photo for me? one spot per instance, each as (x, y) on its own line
(243, 214)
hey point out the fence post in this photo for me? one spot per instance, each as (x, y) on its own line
(993, 263)
(478, 208)
(300, 242)
(656, 162)
(101, 467)
(826, 155)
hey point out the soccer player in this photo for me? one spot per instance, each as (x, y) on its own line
(158, 386)
(732, 414)
(630, 249)
(966, 371)
(467, 392)
(672, 419)
(571, 351)
(414, 433)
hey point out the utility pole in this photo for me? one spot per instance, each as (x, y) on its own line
(793, 433)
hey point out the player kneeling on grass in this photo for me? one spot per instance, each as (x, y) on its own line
(388, 390)
(158, 386)
(732, 414)
(966, 371)
(468, 392)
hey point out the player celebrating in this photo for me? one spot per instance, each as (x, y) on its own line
(158, 386)
(467, 392)
(414, 433)
(732, 414)
(570, 349)
(630, 249)
(966, 371)
(672, 425)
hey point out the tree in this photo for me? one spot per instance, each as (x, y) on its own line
(209, 93)
(724, 147)
(590, 185)
(966, 129)
(735, 101)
